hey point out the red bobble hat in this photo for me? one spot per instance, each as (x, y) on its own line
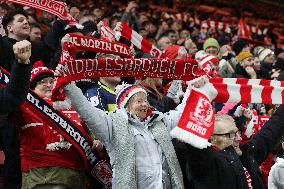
(171, 52)
(39, 72)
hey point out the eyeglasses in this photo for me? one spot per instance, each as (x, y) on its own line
(46, 81)
(230, 135)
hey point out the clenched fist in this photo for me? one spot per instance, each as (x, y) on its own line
(22, 51)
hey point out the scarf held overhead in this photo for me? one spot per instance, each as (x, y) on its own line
(196, 124)
(57, 8)
(74, 70)
(76, 135)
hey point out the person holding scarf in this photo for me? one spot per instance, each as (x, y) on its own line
(225, 162)
(47, 159)
(137, 138)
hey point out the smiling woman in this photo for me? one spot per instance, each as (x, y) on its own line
(138, 105)
(136, 137)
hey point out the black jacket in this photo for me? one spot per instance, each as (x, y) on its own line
(11, 97)
(210, 169)
(43, 50)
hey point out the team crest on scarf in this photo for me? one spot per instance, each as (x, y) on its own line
(101, 170)
(203, 112)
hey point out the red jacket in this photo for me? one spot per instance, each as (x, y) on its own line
(42, 146)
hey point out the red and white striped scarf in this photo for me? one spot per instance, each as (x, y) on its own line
(57, 8)
(106, 32)
(216, 25)
(137, 40)
(245, 91)
(193, 127)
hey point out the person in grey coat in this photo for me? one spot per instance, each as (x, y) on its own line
(136, 138)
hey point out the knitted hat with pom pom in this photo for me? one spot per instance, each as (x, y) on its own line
(125, 92)
(38, 73)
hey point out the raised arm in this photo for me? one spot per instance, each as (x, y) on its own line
(98, 121)
(14, 94)
(264, 142)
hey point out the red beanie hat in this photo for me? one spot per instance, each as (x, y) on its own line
(171, 52)
(39, 72)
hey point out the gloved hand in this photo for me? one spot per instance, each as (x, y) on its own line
(175, 91)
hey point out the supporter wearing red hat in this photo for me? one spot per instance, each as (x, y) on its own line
(47, 159)
(42, 79)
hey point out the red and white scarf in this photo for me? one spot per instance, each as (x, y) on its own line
(137, 40)
(106, 32)
(193, 127)
(78, 136)
(241, 90)
(78, 69)
(57, 8)
(216, 25)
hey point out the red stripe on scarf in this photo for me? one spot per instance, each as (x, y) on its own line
(265, 82)
(242, 81)
(223, 94)
(266, 94)
(282, 94)
(245, 91)
(126, 31)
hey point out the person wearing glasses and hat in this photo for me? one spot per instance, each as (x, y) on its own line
(47, 159)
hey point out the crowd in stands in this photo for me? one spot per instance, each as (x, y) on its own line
(129, 120)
